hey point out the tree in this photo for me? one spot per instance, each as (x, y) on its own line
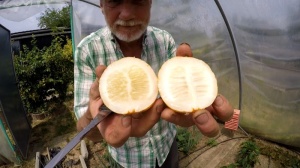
(53, 18)
(45, 74)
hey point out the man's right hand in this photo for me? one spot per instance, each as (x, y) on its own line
(117, 128)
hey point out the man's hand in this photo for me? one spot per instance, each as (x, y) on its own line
(117, 128)
(203, 119)
(184, 50)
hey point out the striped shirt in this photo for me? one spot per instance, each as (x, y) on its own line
(101, 48)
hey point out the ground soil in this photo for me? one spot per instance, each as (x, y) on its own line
(58, 128)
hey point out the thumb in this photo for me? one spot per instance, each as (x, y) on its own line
(94, 90)
(206, 123)
(184, 50)
(99, 70)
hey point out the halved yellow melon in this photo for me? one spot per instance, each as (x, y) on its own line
(187, 84)
(128, 85)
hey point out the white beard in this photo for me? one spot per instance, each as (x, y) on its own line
(128, 37)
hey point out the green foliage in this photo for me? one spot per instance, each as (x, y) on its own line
(248, 155)
(284, 157)
(53, 18)
(250, 150)
(187, 139)
(44, 74)
(108, 158)
(212, 142)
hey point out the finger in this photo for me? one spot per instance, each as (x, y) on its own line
(184, 50)
(180, 119)
(206, 123)
(141, 124)
(222, 108)
(99, 70)
(94, 90)
(94, 106)
(115, 129)
(210, 109)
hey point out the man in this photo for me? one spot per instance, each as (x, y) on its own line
(146, 139)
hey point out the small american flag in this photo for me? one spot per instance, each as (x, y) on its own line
(233, 124)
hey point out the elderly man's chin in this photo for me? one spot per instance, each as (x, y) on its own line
(128, 36)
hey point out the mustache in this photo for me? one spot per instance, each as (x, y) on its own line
(128, 23)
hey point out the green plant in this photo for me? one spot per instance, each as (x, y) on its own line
(187, 139)
(284, 158)
(108, 158)
(248, 155)
(44, 74)
(212, 142)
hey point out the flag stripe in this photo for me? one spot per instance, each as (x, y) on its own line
(233, 123)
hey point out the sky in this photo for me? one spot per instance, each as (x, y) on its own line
(25, 18)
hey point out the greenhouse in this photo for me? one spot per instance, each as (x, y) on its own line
(253, 47)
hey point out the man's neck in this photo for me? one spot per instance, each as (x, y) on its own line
(132, 49)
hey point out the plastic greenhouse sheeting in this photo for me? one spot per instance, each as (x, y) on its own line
(252, 46)
(267, 35)
(7, 150)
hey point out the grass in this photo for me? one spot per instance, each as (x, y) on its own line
(212, 142)
(61, 120)
(187, 139)
(284, 158)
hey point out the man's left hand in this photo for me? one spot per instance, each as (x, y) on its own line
(203, 119)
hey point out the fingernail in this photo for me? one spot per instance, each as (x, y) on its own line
(126, 121)
(185, 43)
(202, 118)
(219, 101)
(136, 115)
(159, 108)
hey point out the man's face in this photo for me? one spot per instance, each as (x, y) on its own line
(127, 19)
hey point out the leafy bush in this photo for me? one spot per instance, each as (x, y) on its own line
(44, 74)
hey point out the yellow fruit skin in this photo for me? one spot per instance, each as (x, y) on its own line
(187, 84)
